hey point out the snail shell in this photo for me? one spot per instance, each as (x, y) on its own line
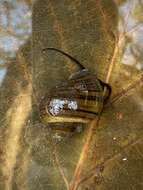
(78, 100)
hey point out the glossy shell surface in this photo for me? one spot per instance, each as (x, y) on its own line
(78, 100)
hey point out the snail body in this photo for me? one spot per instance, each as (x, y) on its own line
(78, 100)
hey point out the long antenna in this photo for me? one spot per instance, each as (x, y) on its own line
(67, 55)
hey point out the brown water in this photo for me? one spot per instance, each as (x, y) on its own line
(107, 154)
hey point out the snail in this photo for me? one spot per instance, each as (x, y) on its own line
(76, 101)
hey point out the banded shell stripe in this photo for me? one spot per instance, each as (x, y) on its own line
(96, 96)
(62, 119)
